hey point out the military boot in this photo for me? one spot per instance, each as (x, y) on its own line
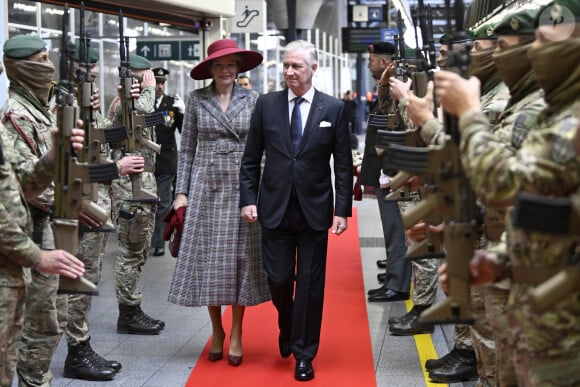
(81, 364)
(146, 317)
(132, 322)
(114, 364)
(409, 324)
(460, 366)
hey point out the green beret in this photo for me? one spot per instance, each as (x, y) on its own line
(139, 62)
(560, 12)
(456, 36)
(93, 53)
(517, 23)
(485, 32)
(23, 46)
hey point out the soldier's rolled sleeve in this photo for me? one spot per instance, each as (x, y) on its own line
(432, 132)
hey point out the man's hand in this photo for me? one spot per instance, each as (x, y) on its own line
(387, 74)
(130, 165)
(419, 232)
(249, 213)
(96, 100)
(86, 219)
(60, 262)
(456, 94)
(179, 104)
(77, 140)
(420, 110)
(399, 89)
(339, 225)
(484, 267)
(148, 79)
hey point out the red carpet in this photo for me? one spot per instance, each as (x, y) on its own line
(345, 355)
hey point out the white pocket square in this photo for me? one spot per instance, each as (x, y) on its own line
(325, 124)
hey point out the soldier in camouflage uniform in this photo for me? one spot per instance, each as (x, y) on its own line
(424, 270)
(28, 120)
(135, 227)
(82, 362)
(22, 177)
(546, 345)
(459, 363)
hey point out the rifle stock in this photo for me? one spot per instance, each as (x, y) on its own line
(460, 239)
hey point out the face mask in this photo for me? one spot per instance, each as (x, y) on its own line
(511, 64)
(481, 65)
(36, 77)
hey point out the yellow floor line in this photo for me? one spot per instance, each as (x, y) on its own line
(425, 349)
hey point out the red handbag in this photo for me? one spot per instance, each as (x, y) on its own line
(175, 220)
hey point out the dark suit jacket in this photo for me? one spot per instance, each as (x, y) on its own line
(166, 161)
(325, 134)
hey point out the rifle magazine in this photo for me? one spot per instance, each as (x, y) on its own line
(103, 173)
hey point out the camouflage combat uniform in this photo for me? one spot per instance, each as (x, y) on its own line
(546, 346)
(134, 235)
(494, 99)
(17, 250)
(29, 126)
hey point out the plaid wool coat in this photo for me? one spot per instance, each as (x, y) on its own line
(219, 261)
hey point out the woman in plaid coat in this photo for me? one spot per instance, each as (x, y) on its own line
(219, 260)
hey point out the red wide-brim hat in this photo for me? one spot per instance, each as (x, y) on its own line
(225, 47)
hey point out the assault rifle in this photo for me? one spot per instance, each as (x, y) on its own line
(70, 174)
(554, 216)
(135, 123)
(94, 137)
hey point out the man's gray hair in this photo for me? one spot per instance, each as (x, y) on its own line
(311, 55)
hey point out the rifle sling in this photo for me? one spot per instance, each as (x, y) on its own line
(408, 159)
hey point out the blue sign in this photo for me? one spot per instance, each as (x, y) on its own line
(388, 34)
(375, 14)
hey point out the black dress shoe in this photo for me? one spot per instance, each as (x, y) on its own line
(377, 290)
(382, 264)
(284, 344)
(158, 252)
(382, 278)
(388, 296)
(304, 370)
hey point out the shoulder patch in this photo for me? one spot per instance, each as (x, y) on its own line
(519, 130)
(563, 148)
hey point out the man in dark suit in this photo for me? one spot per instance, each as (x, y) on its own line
(166, 162)
(298, 129)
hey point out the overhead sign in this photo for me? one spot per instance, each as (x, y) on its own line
(388, 34)
(360, 13)
(375, 14)
(168, 49)
(366, 13)
(250, 16)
